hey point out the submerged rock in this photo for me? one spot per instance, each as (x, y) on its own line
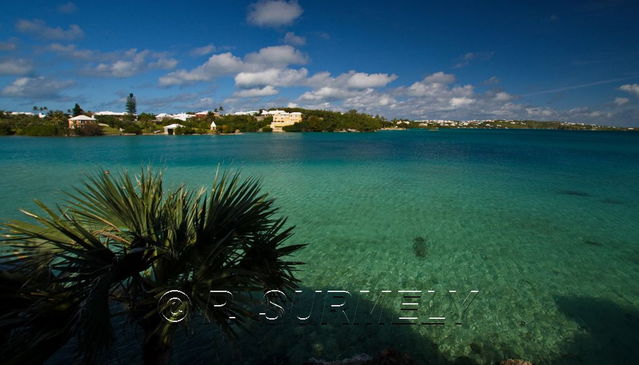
(419, 247)
(575, 193)
(515, 362)
(386, 357)
(592, 243)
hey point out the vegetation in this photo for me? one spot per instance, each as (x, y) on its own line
(55, 123)
(511, 124)
(77, 110)
(131, 104)
(330, 121)
(118, 244)
(242, 123)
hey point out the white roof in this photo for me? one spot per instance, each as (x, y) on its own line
(82, 117)
(173, 126)
(108, 112)
(213, 125)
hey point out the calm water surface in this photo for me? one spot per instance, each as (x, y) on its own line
(545, 224)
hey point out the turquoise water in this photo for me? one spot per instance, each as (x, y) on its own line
(545, 224)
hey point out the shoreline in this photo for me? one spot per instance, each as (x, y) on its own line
(624, 130)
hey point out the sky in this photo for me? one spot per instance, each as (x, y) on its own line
(557, 60)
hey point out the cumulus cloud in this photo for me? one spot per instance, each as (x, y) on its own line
(39, 28)
(36, 88)
(273, 13)
(631, 88)
(121, 63)
(294, 39)
(67, 8)
(133, 62)
(503, 96)
(71, 50)
(327, 93)
(354, 88)
(273, 76)
(216, 65)
(360, 80)
(275, 57)
(17, 66)
(256, 92)
(204, 50)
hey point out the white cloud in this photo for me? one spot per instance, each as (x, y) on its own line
(7, 46)
(273, 76)
(277, 56)
(273, 13)
(256, 92)
(360, 80)
(204, 50)
(439, 78)
(294, 39)
(16, 66)
(71, 50)
(621, 101)
(35, 88)
(133, 62)
(631, 88)
(216, 65)
(327, 93)
(67, 8)
(39, 28)
(459, 102)
(503, 96)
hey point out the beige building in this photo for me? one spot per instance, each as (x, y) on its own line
(285, 119)
(80, 120)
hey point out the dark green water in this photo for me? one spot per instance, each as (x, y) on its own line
(545, 224)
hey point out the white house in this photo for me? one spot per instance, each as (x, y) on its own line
(273, 112)
(170, 129)
(181, 116)
(107, 112)
(79, 121)
(250, 112)
(213, 125)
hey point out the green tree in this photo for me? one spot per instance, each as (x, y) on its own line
(77, 110)
(125, 239)
(131, 104)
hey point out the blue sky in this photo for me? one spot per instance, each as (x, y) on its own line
(570, 60)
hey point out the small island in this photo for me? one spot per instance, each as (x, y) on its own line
(77, 122)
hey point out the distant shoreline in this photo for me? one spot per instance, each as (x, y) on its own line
(614, 129)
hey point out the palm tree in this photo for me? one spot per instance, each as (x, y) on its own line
(122, 242)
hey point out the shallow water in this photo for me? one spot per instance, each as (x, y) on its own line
(545, 224)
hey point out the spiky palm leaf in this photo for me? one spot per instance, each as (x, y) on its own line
(124, 239)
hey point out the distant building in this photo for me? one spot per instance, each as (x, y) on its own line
(205, 113)
(250, 112)
(80, 121)
(273, 112)
(213, 125)
(181, 116)
(170, 129)
(284, 119)
(110, 113)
